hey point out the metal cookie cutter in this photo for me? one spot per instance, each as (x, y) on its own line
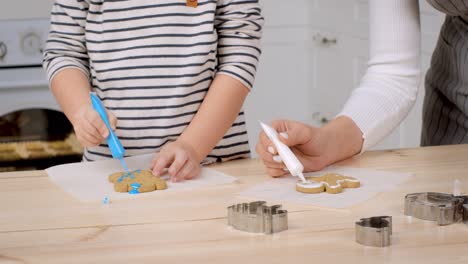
(443, 208)
(257, 217)
(465, 213)
(374, 231)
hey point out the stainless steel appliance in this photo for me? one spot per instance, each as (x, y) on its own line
(33, 131)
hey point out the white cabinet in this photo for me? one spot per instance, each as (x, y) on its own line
(314, 55)
(285, 74)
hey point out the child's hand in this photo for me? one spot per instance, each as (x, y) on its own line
(89, 127)
(181, 159)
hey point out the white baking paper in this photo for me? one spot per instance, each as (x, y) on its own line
(88, 181)
(372, 183)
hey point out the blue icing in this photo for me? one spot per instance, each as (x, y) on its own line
(134, 185)
(105, 201)
(123, 164)
(134, 189)
(132, 175)
(128, 174)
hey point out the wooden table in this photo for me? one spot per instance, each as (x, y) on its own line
(39, 223)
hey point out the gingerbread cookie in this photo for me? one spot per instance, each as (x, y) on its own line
(9, 156)
(138, 181)
(4, 147)
(38, 154)
(8, 152)
(34, 146)
(330, 183)
(59, 146)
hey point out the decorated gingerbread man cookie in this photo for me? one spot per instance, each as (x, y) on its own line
(138, 181)
(330, 183)
(8, 152)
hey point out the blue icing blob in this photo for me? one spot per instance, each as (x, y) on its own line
(134, 189)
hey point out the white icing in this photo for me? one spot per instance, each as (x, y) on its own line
(332, 186)
(312, 184)
(351, 180)
(309, 184)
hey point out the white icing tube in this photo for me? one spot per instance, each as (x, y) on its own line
(294, 166)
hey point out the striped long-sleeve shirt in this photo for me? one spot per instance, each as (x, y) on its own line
(152, 63)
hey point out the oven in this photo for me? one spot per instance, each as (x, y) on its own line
(34, 133)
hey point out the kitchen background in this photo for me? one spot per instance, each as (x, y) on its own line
(314, 55)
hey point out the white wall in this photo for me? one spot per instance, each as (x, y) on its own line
(25, 9)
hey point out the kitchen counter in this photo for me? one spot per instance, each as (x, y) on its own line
(40, 223)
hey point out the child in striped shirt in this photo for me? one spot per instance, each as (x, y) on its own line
(172, 74)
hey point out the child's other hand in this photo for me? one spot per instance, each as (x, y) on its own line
(181, 159)
(89, 127)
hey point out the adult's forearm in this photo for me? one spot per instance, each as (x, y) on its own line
(71, 89)
(216, 114)
(389, 88)
(344, 139)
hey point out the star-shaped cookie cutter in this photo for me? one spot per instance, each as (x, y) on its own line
(443, 208)
(257, 217)
(374, 231)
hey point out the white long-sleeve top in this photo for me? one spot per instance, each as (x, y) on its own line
(389, 87)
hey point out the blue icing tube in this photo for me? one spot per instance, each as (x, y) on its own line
(122, 161)
(113, 141)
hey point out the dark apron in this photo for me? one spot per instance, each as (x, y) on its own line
(445, 110)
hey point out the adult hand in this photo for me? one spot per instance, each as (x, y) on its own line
(308, 143)
(316, 148)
